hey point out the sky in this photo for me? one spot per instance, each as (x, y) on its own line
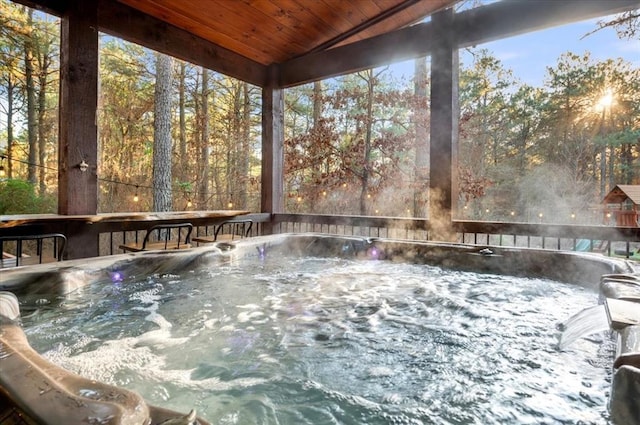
(529, 55)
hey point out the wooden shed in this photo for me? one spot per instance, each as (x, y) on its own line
(621, 204)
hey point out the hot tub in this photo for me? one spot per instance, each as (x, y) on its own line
(322, 329)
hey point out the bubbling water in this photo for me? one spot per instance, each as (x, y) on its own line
(288, 340)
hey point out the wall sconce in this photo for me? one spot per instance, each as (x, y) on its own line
(83, 166)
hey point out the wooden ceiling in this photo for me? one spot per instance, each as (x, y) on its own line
(284, 43)
(275, 31)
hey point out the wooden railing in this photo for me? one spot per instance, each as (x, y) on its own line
(606, 239)
(116, 231)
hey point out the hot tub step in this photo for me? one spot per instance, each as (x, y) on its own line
(622, 313)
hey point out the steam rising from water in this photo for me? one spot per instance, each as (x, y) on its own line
(309, 341)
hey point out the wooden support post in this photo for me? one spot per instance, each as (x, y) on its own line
(272, 200)
(444, 128)
(78, 135)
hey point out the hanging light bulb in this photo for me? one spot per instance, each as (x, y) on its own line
(299, 198)
(189, 203)
(135, 196)
(230, 203)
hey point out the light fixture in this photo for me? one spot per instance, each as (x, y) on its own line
(189, 203)
(83, 166)
(135, 197)
(2, 172)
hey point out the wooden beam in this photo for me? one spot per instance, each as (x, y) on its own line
(364, 25)
(480, 25)
(122, 21)
(272, 196)
(443, 169)
(377, 51)
(78, 133)
(509, 18)
(52, 7)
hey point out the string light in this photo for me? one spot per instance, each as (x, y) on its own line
(136, 197)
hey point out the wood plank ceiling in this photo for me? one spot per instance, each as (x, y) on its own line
(275, 31)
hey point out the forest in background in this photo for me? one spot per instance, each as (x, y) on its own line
(356, 144)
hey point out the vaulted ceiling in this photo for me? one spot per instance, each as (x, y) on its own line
(275, 31)
(290, 42)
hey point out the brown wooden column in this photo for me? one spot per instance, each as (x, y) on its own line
(444, 128)
(78, 135)
(272, 200)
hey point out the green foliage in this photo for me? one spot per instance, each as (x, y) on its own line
(19, 197)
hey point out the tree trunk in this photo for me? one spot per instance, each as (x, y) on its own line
(244, 147)
(317, 102)
(162, 135)
(182, 131)
(44, 61)
(603, 159)
(422, 159)
(31, 103)
(203, 188)
(366, 161)
(10, 88)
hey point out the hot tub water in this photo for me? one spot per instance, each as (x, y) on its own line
(325, 340)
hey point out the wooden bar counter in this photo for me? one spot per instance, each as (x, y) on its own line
(82, 231)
